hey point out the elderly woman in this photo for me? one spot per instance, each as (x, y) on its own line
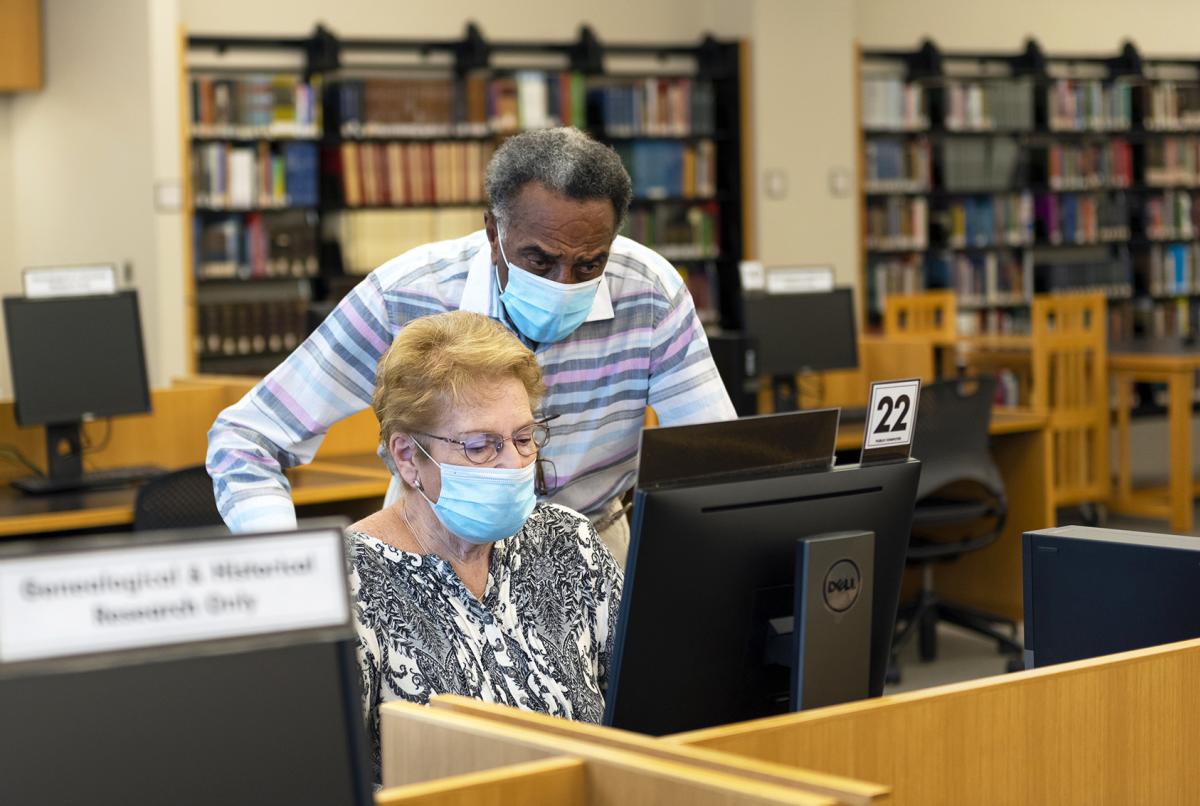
(466, 585)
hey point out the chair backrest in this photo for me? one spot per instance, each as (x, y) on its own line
(180, 499)
(933, 314)
(951, 435)
(1069, 382)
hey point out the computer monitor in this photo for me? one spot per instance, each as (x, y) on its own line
(712, 562)
(1091, 592)
(75, 359)
(264, 717)
(798, 333)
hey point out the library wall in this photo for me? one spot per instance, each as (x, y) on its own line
(8, 274)
(1158, 28)
(80, 178)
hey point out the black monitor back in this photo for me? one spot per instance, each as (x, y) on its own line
(74, 358)
(233, 728)
(710, 562)
(802, 332)
(1092, 592)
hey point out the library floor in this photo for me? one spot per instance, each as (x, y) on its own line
(965, 656)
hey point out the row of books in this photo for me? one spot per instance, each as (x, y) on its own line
(229, 329)
(255, 106)
(993, 163)
(1003, 219)
(1171, 214)
(654, 107)
(996, 321)
(893, 104)
(897, 223)
(272, 244)
(1170, 319)
(1173, 161)
(670, 168)
(406, 174)
(1171, 106)
(1082, 218)
(370, 238)
(482, 104)
(1111, 275)
(898, 165)
(704, 285)
(893, 274)
(988, 105)
(1167, 269)
(995, 278)
(230, 176)
(1090, 165)
(677, 231)
(1089, 105)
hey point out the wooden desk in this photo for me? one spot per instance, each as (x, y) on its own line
(1175, 364)
(22, 515)
(990, 578)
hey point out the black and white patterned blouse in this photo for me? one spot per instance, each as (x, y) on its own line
(540, 639)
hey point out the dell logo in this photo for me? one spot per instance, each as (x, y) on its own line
(841, 586)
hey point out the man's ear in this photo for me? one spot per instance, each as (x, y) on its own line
(493, 235)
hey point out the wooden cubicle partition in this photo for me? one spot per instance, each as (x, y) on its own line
(1113, 730)
(551, 782)
(422, 745)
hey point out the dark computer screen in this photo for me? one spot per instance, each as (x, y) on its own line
(264, 717)
(236, 728)
(802, 332)
(711, 562)
(76, 356)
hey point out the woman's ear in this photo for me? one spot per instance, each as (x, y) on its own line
(403, 452)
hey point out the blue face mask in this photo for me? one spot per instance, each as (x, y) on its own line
(483, 504)
(543, 310)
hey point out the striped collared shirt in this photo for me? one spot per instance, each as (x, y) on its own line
(642, 344)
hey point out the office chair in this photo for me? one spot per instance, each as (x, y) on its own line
(177, 500)
(961, 507)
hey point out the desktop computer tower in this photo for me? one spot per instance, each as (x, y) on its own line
(1091, 592)
(736, 358)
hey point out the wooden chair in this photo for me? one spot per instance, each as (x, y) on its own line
(1069, 383)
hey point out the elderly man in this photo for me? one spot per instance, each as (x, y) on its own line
(610, 321)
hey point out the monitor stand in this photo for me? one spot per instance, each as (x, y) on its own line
(64, 466)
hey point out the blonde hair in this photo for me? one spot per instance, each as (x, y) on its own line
(439, 362)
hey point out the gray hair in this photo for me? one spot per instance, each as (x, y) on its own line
(565, 161)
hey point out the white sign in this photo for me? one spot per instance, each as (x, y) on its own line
(891, 413)
(799, 279)
(751, 273)
(110, 599)
(69, 281)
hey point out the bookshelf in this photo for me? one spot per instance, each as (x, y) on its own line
(313, 160)
(1001, 175)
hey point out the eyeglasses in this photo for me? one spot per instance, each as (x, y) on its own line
(484, 447)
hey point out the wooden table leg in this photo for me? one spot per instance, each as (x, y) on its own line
(1179, 413)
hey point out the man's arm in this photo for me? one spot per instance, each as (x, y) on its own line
(685, 386)
(281, 421)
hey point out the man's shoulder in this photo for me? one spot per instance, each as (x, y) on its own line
(633, 265)
(432, 265)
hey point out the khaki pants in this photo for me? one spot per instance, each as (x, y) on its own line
(613, 528)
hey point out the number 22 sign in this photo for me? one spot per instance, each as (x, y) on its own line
(891, 416)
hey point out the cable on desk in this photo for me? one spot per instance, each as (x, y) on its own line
(10, 452)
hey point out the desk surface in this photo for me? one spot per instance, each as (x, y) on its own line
(1156, 354)
(22, 514)
(1004, 421)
